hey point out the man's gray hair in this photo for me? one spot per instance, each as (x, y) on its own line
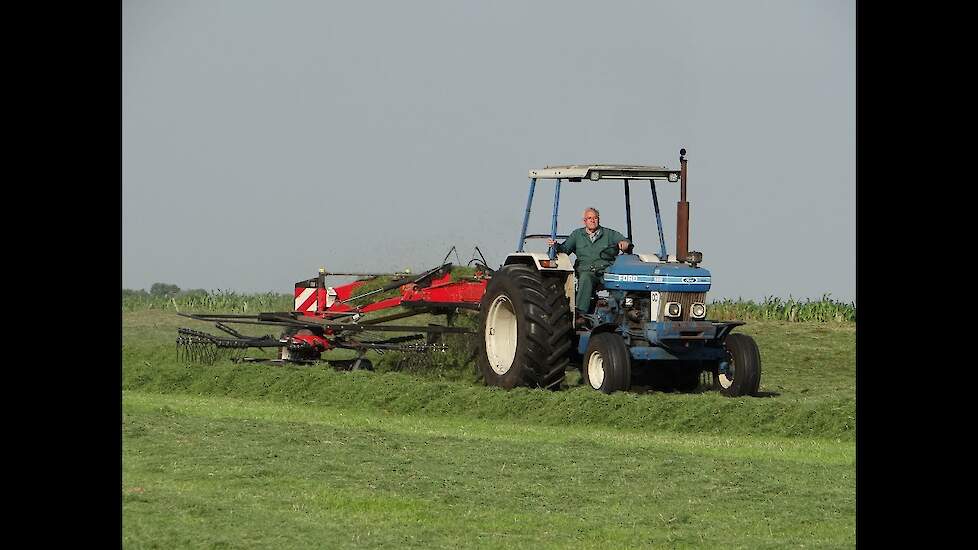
(592, 209)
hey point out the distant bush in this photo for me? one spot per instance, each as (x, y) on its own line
(134, 294)
(164, 290)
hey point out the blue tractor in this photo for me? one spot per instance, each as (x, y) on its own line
(649, 324)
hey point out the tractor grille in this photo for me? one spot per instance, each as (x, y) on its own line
(685, 299)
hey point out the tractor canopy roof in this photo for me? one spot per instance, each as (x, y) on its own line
(595, 172)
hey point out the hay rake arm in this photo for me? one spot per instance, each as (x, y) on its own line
(325, 318)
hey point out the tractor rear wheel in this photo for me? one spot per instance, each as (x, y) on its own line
(743, 375)
(525, 329)
(607, 364)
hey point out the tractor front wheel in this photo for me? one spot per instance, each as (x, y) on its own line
(607, 365)
(743, 373)
(525, 329)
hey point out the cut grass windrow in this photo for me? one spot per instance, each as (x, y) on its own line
(398, 393)
(807, 384)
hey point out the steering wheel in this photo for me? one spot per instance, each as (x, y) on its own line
(544, 236)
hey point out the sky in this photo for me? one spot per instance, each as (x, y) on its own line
(264, 140)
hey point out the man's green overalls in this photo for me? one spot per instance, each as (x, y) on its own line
(588, 265)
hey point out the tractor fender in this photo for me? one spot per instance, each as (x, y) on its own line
(724, 328)
(586, 337)
(564, 269)
(534, 258)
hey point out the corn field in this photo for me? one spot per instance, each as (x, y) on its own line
(772, 308)
(790, 310)
(219, 301)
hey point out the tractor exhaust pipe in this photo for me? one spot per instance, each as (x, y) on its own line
(682, 212)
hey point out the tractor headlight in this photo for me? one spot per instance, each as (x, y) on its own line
(673, 177)
(629, 302)
(697, 311)
(673, 309)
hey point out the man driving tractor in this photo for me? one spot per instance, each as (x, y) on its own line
(587, 243)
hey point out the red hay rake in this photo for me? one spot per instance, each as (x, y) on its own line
(325, 318)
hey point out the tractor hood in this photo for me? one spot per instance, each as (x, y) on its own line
(629, 272)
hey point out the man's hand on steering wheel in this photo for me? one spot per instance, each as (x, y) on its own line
(611, 251)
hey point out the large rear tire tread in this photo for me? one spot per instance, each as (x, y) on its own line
(544, 328)
(562, 326)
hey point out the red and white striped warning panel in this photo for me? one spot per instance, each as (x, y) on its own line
(305, 299)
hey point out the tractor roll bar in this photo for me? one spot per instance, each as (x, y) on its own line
(552, 253)
(597, 172)
(658, 220)
(526, 215)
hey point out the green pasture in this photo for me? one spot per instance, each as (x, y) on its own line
(419, 454)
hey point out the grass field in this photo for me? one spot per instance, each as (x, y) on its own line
(418, 454)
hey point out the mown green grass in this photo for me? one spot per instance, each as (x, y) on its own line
(808, 384)
(204, 472)
(420, 454)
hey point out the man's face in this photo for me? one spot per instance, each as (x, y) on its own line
(591, 220)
